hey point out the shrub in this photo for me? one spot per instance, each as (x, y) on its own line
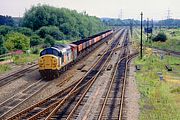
(17, 41)
(160, 37)
(35, 40)
(35, 51)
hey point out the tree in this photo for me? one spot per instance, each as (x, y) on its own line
(6, 20)
(61, 23)
(35, 40)
(1, 40)
(49, 41)
(17, 41)
(50, 30)
(3, 49)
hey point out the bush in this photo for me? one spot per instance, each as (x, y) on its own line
(160, 37)
(5, 30)
(35, 40)
(35, 51)
(3, 50)
(17, 41)
(24, 30)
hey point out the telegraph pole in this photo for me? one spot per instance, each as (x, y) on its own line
(131, 27)
(141, 33)
(147, 28)
(152, 25)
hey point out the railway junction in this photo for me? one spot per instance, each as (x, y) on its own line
(99, 86)
(93, 88)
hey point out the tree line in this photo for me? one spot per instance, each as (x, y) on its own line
(119, 22)
(169, 23)
(69, 23)
(44, 25)
(6, 20)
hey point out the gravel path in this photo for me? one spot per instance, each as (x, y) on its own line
(132, 96)
(17, 85)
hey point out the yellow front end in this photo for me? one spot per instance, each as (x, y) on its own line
(49, 62)
(49, 66)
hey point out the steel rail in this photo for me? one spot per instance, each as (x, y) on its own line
(51, 97)
(63, 101)
(21, 99)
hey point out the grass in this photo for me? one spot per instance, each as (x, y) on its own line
(25, 58)
(159, 100)
(4, 68)
(5, 58)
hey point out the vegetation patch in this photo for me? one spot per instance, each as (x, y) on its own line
(172, 42)
(176, 90)
(160, 37)
(43, 26)
(159, 99)
(4, 68)
(64, 41)
(25, 58)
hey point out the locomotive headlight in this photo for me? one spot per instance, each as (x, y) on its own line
(41, 61)
(54, 61)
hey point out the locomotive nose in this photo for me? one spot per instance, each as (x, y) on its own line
(41, 63)
(48, 62)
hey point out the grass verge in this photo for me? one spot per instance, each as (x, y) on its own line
(25, 58)
(4, 68)
(160, 100)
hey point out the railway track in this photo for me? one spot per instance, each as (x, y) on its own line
(21, 97)
(169, 52)
(73, 114)
(67, 109)
(51, 105)
(16, 75)
(112, 102)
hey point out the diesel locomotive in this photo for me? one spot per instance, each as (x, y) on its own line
(55, 60)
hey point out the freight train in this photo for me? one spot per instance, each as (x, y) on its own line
(55, 60)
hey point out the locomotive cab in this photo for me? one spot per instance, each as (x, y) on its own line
(53, 59)
(49, 62)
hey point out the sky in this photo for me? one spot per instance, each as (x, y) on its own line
(152, 9)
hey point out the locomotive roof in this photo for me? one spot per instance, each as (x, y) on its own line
(61, 46)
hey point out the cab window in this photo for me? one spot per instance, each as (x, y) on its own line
(56, 53)
(49, 51)
(43, 53)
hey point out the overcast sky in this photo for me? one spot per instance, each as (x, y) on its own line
(156, 9)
